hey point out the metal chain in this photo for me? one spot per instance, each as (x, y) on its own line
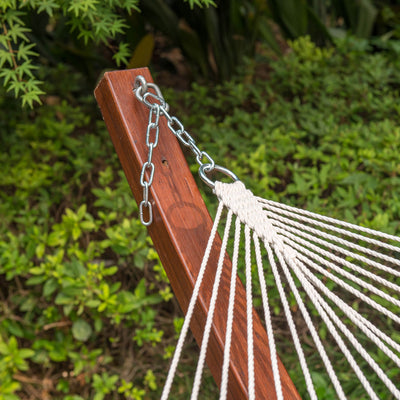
(151, 142)
(154, 100)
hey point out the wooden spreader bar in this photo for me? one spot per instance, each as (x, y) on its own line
(180, 231)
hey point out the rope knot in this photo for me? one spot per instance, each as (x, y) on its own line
(244, 204)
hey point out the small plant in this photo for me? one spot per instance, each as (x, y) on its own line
(91, 22)
(320, 133)
(74, 263)
(84, 295)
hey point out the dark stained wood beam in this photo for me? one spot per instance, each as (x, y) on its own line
(180, 231)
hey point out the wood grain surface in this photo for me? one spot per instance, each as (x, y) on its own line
(180, 231)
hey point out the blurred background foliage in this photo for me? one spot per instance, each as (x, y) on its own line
(212, 36)
(299, 98)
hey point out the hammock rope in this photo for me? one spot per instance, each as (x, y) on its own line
(330, 268)
(293, 253)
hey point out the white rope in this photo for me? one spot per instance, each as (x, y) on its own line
(292, 213)
(347, 225)
(281, 228)
(308, 250)
(291, 231)
(355, 292)
(316, 300)
(300, 244)
(371, 331)
(192, 303)
(228, 336)
(211, 309)
(319, 302)
(345, 285)
(280, 252)
(268, 322)
(284, 222)
(292, 326)
(249, 313)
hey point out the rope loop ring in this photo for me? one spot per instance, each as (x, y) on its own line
(207, 168)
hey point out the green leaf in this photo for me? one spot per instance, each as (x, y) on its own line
(18, 31)
(76, 232)
(92, 303)
(26, 353)
(49, 287)
(6, 58)
(292, 16)
(48, 6)
(54, 239)
(63, 299)
(81, 211)
(88, 225)
(24, 51)
(40, 249)
(359, 15)
(123, 53)
(81, 330)
(35, 280)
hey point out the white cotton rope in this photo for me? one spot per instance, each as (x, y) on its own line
(291, 324)
(304, 251)
(310, 325)
(249, 313)
(192, 303)
(334, 333)
(347, 253)
(348, 287)
(284, 222)
(369, 329)
(294, 210)
(211, 309)
(228, 336)
(268, 321)
(279, 213)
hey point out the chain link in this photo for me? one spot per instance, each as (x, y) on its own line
(152, 135)
(154, 100)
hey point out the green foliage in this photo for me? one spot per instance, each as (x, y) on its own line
(84, 297)
(325, 20)
(75, 263)
(26, 26)
(320, 132)
(92, 21)
(16, 67)
(299, 18)
(214, 40)
(359, 16)
(200, 3)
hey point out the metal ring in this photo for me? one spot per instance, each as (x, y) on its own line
(206, 168)
(141, 87)
(146, 166)
(140, 83)
(141, 213)
(210, 164)
(158, 100)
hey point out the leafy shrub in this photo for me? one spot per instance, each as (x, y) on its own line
(214, 40)
(322, 20)
(84, 297)
(320, 132)
(377, 21)
(77, 27)
(81, 285)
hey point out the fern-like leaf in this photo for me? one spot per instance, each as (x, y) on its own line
(122, 55)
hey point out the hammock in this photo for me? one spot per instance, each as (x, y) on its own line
(330, 272)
